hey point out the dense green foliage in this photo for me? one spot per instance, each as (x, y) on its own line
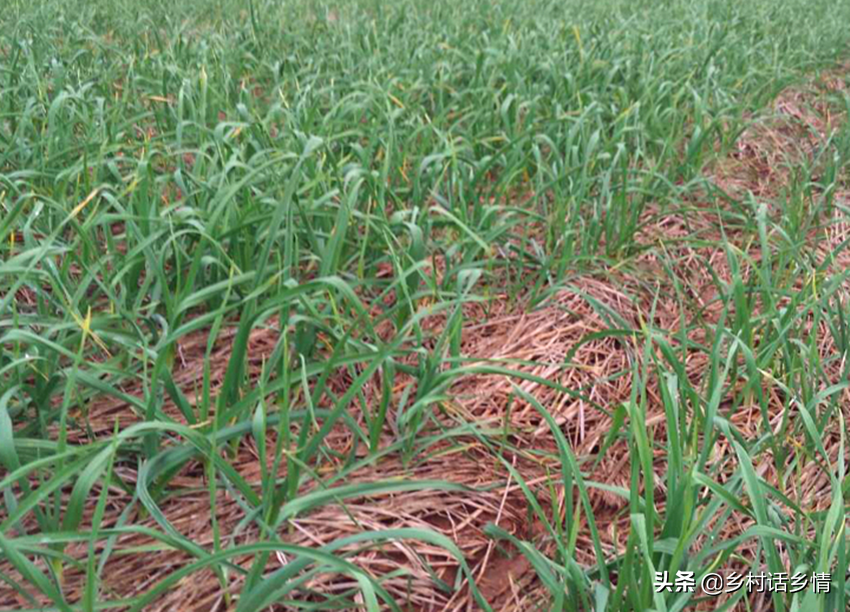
(174, 167)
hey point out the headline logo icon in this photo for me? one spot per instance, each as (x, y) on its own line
(713, 584)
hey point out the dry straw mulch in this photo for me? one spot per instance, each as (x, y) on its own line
(566, 340)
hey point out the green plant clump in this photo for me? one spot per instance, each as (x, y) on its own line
(267, 229)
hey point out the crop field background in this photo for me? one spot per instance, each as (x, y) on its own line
(422, 305)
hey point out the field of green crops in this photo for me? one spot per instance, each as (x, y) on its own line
(423, 305)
